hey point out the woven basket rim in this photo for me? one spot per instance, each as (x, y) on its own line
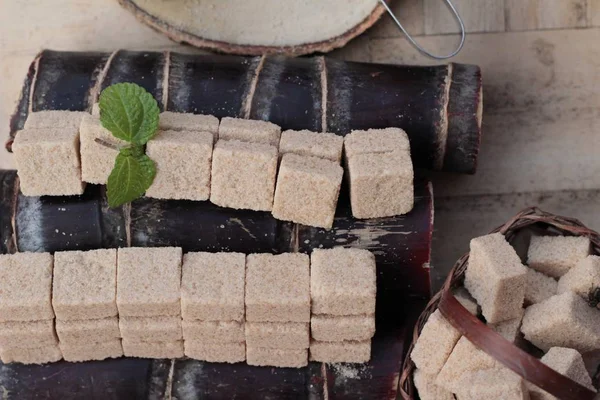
(521, 221)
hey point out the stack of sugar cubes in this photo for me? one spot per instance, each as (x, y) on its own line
(27, 332)
(556, 320)
(148, 299)
(212, 306)
(181, 149)
(84, 301)
(309, 178)
(343, 290)
(277, 309)
(380, 172)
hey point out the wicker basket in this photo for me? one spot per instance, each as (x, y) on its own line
(519, 228)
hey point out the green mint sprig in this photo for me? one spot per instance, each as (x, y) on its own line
(130, 113)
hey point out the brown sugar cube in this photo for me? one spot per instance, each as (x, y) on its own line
(492, 384)
(243, 175)
(97, 160)
(582, 278)
(137, 349)
(464, 297)
(510, 328)
(343, 281)
(212, 286)
(27, 334)
(85, 284)
(183, 162)
(151, 329)
(435, 343)
(564, 320)
(381, 184)
(282, 358)
(48, 161)
(92, 351)
(54, 119)
(315, 144)
(376, 141)
(88, 330)
(33, 355)
(173, 121)
(539, 287)
(327, 328)
(567, 362)
(496, 278)
(277, 288)
(427, 388)
(307, 190)
(148, 281)
(277, 335)
(556, 255)
(213, 332)
(336, 352)
(26, 287)
(248, 130)
(222, 352)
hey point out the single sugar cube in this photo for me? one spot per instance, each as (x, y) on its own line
(434, 345)
(427, 388)
(464, 359)
(137, 349)
(277, 288)
(85, 331)
(327, 328)
(282, 358)
(564, 320)
(464, 297)
(48, 161)
(337, 352)
(148, 281)
(214, 332)
(343, 281)
(496, 278)
(510, 328)
(306, 143)
(154, 329)
(307, 190)
(27, 334)
(539, 287)
(97, 160)
(92, 351)
(26, 287)
(173, 121)
(183, 162)
(248, 130)
(54, 119)
(85, 284)
(278, 335)
(376, 141)
(492, 384)
(381, 184)
(556, 255)
(33, 355)
(567, 362)
(212, 286)
(222, 352)
(243, 175)
(581, 279)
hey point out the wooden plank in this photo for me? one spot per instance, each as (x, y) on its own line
(541, 109)
(478, 16)
(409, 12)
(524, 15)
(593, 12)
(459, 219)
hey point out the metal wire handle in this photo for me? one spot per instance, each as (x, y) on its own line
(417, 45)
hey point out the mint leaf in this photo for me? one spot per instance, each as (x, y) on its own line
(131, 176)
(129, 112)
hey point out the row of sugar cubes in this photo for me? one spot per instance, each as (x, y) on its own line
(557, 318)
(158, 303)
(240, 171)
